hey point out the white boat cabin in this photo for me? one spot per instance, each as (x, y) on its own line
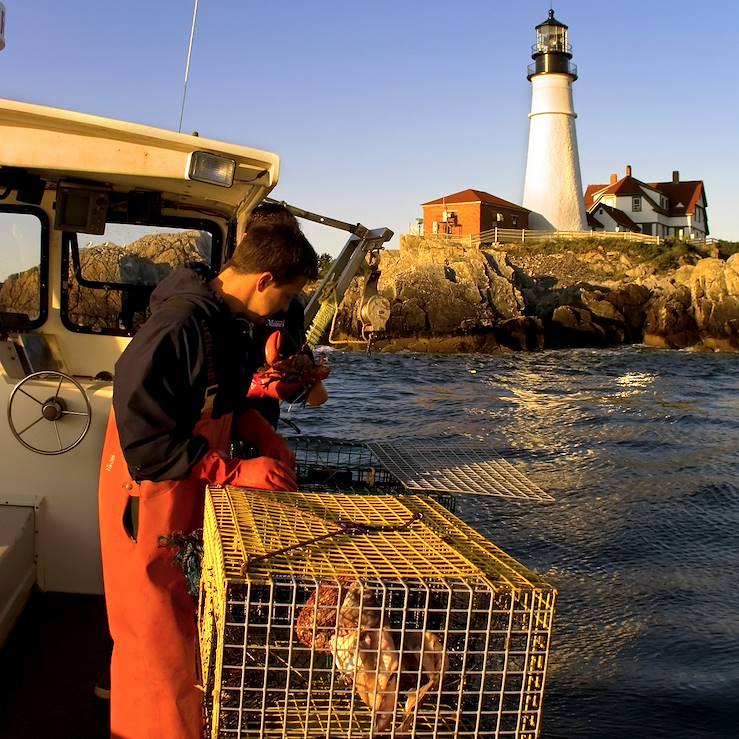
(93, 212)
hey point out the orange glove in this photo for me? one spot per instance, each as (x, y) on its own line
(263, 473)
(287, 378)
(254, 429)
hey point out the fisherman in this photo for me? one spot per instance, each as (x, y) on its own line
(178, 396)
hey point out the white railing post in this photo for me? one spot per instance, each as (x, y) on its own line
(496, 234)
(523, 235)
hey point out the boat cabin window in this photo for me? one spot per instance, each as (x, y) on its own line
(110, 277)
(24, 240)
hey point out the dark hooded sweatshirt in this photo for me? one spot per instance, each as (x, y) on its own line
(191, 348)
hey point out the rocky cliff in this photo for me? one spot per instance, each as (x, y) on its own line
(447, 298)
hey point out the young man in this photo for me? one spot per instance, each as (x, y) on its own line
(178, 397)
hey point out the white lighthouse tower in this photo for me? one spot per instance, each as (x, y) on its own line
(553, 187)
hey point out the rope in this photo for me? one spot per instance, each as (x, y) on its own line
(320, 323)
(189, 557)
(347, 528)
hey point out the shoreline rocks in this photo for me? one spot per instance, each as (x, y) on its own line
(446, 298)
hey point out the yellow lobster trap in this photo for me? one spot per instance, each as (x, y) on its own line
(334, 615)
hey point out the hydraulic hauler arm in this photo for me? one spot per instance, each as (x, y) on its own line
(360, 254)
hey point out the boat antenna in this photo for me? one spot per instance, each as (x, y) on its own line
(2, 26)
(187, 66)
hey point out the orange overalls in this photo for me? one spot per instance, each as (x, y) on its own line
(151, 615)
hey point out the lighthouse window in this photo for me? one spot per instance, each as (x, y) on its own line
(636, 203)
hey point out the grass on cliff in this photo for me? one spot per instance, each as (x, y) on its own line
(727, 248)
(669, 254)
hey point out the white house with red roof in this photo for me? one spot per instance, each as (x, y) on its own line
(674, 209)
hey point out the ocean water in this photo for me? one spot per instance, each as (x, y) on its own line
(640, 448)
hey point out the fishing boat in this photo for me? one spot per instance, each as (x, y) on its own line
(93, 212)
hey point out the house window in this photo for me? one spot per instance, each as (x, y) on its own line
(636, 203)
(514, 221)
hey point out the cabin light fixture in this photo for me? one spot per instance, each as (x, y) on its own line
(210, 168)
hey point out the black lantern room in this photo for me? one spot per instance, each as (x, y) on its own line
(552, 51)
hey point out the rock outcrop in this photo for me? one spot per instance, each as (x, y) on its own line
(714, 294)
(462, 299)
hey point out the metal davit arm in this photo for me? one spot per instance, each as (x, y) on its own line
(360, 253)
(357, 255)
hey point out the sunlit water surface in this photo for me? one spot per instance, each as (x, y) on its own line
(641, 450)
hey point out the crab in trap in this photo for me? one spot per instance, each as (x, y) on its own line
(347, 619)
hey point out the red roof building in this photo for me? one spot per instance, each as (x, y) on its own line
(470, 212)
(669, 209)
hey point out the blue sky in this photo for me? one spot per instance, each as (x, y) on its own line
(376, 107)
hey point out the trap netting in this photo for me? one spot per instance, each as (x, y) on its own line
(443, 468)
(326, 615)
(325, 464)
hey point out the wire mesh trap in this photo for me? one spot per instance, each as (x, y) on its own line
(326, 615)
(325, 464)
(454, 466)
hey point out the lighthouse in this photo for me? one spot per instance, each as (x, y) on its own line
(553, 187)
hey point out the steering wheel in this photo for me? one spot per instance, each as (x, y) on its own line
(53, 409)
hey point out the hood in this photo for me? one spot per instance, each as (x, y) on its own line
(189, 282)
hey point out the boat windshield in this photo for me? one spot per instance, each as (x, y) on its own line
(23, 267)
(110, 277)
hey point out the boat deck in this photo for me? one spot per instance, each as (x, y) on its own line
(49, 666)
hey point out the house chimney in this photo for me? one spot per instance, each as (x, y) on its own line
(614, 178)
(675, 176)
(628, 170)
